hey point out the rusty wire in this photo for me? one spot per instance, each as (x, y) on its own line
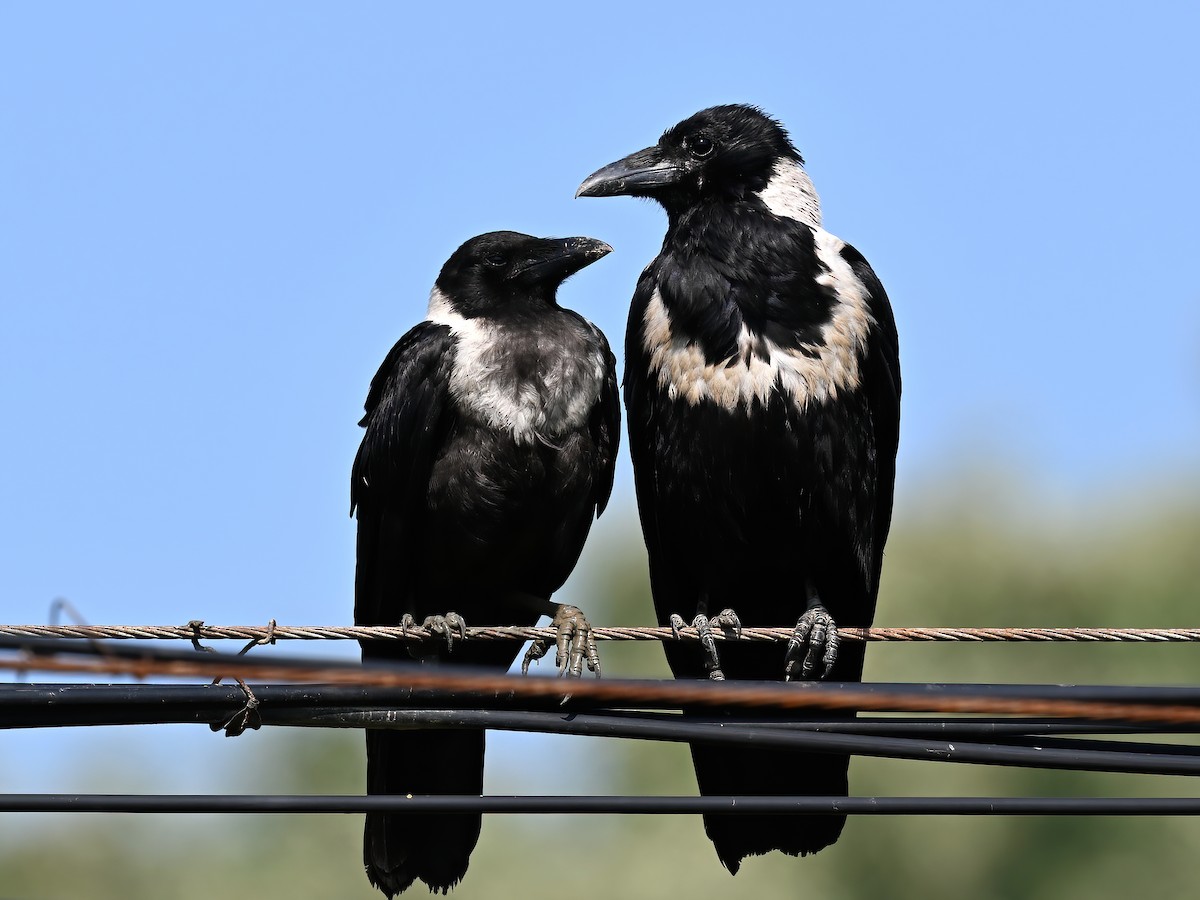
(272, 632)
(616, 692)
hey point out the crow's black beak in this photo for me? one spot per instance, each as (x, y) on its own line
(638, 174)
(557, 259)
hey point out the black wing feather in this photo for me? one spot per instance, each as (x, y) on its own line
(404, 417)
(881, 383)
(639, 407)
(407, 417)
(605, 428)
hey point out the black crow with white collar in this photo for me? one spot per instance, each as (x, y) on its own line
(762, 386)
(491, 433)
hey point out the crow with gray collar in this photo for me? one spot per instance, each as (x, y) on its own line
(491, 433)
(762, 388)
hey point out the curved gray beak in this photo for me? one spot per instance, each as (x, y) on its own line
(637, 174)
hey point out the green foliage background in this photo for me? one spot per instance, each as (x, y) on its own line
(968, 557)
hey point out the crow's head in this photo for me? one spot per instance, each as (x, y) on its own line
(493, 270)
(720, 153)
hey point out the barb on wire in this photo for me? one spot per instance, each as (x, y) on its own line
(62, 606)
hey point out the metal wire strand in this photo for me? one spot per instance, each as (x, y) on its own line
(197, 630)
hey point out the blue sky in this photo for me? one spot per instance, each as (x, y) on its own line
(215, 219)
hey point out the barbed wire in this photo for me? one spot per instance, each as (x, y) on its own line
(199, 631)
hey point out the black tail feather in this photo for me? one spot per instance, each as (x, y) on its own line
(723, 770)
(399, 848)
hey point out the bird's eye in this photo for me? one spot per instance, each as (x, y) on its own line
(700, 146)
(495, 260)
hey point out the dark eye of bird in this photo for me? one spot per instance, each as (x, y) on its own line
(700, 146)
(495, 260)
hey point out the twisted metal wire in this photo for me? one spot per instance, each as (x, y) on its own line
(267, 633)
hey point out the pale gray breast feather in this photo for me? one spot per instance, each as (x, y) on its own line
(832, 366)
(485, 385)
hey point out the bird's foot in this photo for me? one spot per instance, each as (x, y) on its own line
(814, 639)
(727, 620)
(449, 626)
(575, 644)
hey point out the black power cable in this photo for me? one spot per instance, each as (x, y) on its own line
(885, 806)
